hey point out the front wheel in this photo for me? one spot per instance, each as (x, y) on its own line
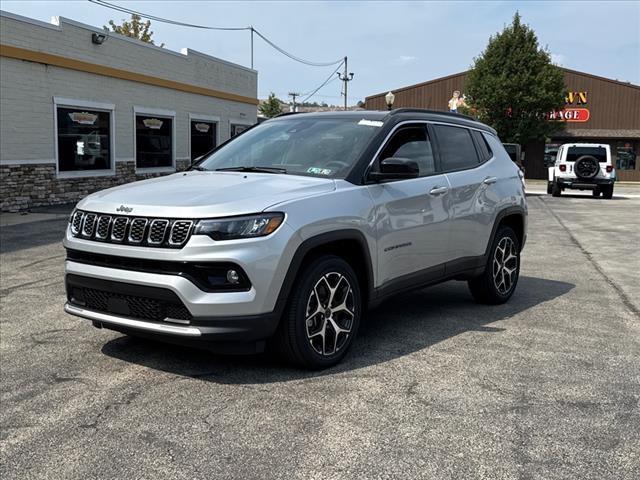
(595, 193)
(555, 189)
(549, 187)
(323, 315)
(498, 281)
(607, 191)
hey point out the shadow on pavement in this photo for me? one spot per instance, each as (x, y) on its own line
(33, 234)
(404, 325)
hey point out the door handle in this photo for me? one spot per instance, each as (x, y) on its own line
(490, 180)
(438, 190)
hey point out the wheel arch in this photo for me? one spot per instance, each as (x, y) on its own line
(513, 217)
(349, 244)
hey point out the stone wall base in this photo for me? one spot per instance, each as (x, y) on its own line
(23, 187)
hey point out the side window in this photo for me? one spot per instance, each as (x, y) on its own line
(456, 148)
(412, 142)
(483, 147)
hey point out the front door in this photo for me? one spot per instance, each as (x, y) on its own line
(412, 220)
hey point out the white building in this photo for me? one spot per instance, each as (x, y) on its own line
(78, 115)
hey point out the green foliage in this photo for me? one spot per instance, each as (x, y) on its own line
(513, 85)
(136, 28)
(271, 106)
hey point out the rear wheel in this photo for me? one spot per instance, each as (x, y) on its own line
(555, 189)
(595, 192)
(323, 315)
(607, 191)
(500, 277)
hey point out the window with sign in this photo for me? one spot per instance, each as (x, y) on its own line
(203, 137)
(84, 139)
(237, 129)
(625, 156)
(154, 141)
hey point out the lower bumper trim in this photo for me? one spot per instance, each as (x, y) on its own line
(125, 322)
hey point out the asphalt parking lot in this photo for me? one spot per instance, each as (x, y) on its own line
(546, 386)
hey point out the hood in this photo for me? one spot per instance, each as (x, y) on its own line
(205, 194)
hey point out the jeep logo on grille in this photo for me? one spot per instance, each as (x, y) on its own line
(122, 208)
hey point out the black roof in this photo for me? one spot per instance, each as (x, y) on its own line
(400, 113)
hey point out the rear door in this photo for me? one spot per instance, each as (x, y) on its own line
(412, 221)
(466, 160)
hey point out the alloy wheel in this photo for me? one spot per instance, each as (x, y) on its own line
(505, 265)
(329, 315)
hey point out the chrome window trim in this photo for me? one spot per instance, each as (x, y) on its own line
(426, 122)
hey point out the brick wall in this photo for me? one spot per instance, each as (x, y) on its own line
(26, 186)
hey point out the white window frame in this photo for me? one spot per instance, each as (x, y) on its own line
(239, 121)
(155, 112)
(194, 117)
(89, 105)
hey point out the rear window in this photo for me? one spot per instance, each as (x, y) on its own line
(483, 148)
(456, 148)
(574, 153)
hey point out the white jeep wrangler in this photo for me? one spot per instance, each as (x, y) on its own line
(582, 166)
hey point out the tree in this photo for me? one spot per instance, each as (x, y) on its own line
(271, 106)
(513, 86)
(136, 28)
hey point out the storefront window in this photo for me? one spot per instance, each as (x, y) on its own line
(237, 129)
(625, 157)
(84, 139)
(203, 137)
(154, 141)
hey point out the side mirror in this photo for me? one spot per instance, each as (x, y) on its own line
(396, 168)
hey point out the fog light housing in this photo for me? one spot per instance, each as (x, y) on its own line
(233, 277)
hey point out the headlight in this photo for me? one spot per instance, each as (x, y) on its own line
(240, 227)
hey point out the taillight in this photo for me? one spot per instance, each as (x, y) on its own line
(563, 168)
(609, 168)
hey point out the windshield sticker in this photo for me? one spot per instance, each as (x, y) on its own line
(319, 171)
(370, 123)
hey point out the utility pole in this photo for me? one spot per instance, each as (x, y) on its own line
(251, 28)
(346, 78)
(294, 95)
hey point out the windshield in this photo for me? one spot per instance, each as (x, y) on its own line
(322, 147)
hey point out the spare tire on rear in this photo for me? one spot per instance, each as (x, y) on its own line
(586, 167)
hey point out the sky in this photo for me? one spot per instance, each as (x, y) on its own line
(388, 44)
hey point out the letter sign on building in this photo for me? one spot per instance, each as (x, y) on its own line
(569, 113)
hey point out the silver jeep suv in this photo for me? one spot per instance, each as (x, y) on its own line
(288, 233)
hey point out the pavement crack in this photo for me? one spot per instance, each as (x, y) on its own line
(41, 261)
(626, 300)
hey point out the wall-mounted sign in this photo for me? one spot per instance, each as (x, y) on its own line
(153, 123)
(202, 127)
(570, 115)
(578, 98)
(83, 118)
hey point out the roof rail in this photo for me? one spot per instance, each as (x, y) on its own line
(437, 112)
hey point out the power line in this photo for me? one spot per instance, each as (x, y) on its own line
(119, 8)
(329, 79)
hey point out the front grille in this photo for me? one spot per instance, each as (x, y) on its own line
(88, 226)
(180, 231)
(152, 232)
(102, 230)
(90, 294)
(119, 229)
(136, 231)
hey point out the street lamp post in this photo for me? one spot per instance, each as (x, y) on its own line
(389, 98)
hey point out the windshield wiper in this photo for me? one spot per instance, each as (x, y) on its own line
(252, 169)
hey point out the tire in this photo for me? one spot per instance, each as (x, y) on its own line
(496, 285)
(607, 192)
(300, 339)
(595, 193)
(556, 191)
(549, 187)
